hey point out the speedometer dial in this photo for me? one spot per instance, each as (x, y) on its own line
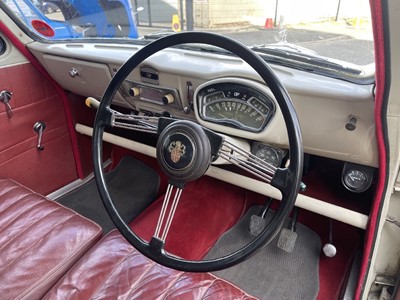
(234, 112)
(235, 105)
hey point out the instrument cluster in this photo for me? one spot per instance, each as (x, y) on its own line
(235, 105)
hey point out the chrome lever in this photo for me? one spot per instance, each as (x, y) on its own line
(39, 127)
(5, 97)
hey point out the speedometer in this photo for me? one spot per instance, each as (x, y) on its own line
(235, 105)
(234, 112)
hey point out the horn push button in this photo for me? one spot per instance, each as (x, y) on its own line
(183, 151)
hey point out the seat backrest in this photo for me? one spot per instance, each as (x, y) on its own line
(39, 241)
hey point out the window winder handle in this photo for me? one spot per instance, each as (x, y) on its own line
(5, 97)
(39, 127)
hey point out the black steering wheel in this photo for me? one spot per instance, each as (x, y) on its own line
(185, 150)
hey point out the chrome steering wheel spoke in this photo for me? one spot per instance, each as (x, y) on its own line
(247, 161)
(134, 122)
(167, 212)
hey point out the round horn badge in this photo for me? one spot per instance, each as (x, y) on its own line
(178, 151)
(183, 151)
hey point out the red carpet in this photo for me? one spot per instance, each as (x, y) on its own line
(324, 182)
(206, 210)
(209, 207)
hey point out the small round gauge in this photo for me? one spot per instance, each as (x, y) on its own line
(269, 155)
(356, 180)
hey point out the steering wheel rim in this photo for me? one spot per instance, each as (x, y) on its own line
(287, 180)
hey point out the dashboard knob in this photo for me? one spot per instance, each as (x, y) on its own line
(168, 99)
(135, 91)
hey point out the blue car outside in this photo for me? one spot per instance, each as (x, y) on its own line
(82, 18)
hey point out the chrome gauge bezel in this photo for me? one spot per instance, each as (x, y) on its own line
(279, 153)
(234, 95)
(357, 178)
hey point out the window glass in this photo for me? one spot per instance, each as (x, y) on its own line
(331, 31)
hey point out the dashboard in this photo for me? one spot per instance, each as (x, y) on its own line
(224, 94)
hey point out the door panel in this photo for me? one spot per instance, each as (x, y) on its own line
(34, 99)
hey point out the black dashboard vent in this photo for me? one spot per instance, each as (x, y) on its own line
(149, 75)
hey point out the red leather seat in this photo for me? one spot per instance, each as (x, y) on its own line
(39, 241)
(114, 269)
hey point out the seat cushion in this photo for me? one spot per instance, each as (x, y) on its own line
(114, 269)
(39, 241)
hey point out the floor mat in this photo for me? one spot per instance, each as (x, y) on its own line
(133, 186)
(272, 273)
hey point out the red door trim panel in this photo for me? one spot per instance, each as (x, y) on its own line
(21, 47)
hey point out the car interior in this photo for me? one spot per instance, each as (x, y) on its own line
(160, 169)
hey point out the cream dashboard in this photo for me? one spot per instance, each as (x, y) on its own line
(224, 94)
